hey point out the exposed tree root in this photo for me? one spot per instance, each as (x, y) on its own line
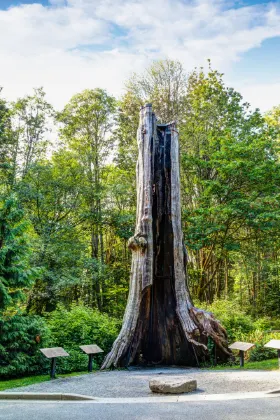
(209, 326)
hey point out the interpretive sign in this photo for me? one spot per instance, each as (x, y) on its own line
(91, 349)
(53, 353)
(274, 344)
(242, 347)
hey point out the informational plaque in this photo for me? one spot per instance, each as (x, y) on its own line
(91, 349)
(273, 344)
(241, 345)
(52, 352)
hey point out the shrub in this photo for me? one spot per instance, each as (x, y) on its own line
(242, 327)
(231, 317)
(260, 338)
(19, 350)
(77, 326)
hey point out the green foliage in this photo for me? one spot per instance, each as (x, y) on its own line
(273, 117)
(15, 271)
(69, 206)
(7, 143)
(260, 337)
(77, 326)
(32, 116)
(230, 176)
(87, 123)
(19, 350)
(242, 327)
(234, 320)
(51, 194)
(164, 84)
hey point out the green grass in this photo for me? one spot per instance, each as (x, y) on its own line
(30, 380)
(271, 364)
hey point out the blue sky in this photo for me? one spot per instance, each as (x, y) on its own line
(69, 45)
(237, 4)
(261, 63)
(5, 4)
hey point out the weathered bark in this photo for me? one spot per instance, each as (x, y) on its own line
(161, 325)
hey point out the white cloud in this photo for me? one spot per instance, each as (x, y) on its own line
(74, 44)
(35, 29)
(263, 96)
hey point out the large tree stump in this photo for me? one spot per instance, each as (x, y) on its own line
(161, 325)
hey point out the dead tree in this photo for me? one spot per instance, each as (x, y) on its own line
(161, 324)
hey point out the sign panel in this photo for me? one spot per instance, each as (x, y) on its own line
(241, 345)
(273, 344)
(54, 352)
(91, 349)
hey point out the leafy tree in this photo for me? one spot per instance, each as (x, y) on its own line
(68, 207)
(125, 133)
(273, 117)
(19, 352)
(230, 180)
(16, 275)
(52, 195)
(32, 118)
(163, 84)
(87, 123)
(7, 144)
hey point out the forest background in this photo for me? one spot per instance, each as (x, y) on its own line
(67, 210)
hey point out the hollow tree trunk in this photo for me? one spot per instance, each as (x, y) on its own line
(161, 325)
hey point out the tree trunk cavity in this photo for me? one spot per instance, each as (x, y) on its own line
(161, 325)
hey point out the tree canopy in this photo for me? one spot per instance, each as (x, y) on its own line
(68, 196)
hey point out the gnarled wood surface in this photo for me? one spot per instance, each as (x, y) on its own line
(161, 325)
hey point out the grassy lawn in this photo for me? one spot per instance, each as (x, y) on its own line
(30, 380)
(271, 364)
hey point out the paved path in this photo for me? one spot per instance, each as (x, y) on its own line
(267, 409)
(135, 383)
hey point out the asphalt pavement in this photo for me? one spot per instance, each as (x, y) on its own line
(261, 409)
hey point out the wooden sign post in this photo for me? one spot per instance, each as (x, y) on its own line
(53, 353)
(274, 344)
(242, 347)
(91, 349)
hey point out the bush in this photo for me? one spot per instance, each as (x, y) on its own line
(19, 350)
(242, 327)
(234, 320)
(78, 326)
(260, 338)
